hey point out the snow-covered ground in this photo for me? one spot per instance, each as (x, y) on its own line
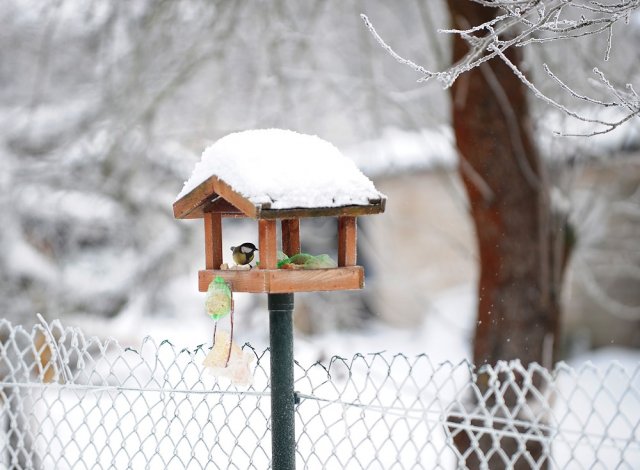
(384, 402)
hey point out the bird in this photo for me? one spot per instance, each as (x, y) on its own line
(243, 254)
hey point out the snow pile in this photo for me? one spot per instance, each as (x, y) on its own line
(284, 168)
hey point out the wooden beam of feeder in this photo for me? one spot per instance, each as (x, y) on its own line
(291, 236)
(286, 280)
(250, 280)
(283, 280)
(236, 199)
(347, 241)
(218, 204)
(374, 207)
(206, 198)
(267, 242)
(213, 240)
(191, 205)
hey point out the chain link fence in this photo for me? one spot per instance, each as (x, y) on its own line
(70, 401)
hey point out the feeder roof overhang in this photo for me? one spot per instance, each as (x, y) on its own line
(276, 174)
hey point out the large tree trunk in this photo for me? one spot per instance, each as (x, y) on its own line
(518, 291)
(508, 196)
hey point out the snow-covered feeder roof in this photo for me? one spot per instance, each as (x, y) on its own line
(276, 173)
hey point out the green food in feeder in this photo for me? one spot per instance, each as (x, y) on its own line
(307, 261)
(218, 300)
(281, 256)
(320, 262)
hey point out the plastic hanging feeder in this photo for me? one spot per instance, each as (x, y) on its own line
(218, 302)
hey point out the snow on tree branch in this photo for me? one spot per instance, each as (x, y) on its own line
(393, 54)
(521, 23)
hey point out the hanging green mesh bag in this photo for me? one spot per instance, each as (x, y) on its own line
(218, 300)
(307, 261)
(320, 262)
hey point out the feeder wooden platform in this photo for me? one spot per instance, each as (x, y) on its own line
(278, 281)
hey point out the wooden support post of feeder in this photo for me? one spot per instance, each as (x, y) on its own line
(347, 241)
(213, 240)
(291, 236)
(267, 244)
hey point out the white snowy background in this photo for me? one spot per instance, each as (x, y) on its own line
(106, 107)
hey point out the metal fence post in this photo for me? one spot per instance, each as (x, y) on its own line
(283, 440)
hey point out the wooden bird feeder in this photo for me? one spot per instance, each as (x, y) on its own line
(270, 175)
(216, 198)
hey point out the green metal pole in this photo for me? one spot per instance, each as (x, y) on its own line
(283, 438)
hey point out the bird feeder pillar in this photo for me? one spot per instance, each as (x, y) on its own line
(291, 236)
(213, 240)
(267, 241)
(283, 441)
(347, 241)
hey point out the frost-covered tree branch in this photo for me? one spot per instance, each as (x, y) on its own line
(521, 23)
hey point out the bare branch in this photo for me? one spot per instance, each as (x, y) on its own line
(393, 54)
(521, 23)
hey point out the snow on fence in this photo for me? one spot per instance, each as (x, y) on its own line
(70, 401)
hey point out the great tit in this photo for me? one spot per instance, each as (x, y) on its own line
(243, 254)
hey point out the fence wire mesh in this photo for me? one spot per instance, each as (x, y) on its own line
(70, 401)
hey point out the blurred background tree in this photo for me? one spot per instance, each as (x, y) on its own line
(106, 108)
(523, 234)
